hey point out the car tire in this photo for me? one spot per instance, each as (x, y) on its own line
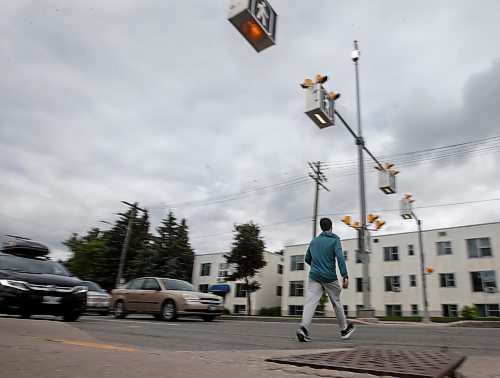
(25, 315)
(169, 311)
(119, 310)
(208, 318)
(71, 316)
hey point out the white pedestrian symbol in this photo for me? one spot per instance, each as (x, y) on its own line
(326, 102)
(262, 13)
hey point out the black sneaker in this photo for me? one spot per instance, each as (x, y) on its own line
(303, 335)
(348, 331)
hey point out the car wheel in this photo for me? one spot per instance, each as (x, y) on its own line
(71, 316)
(25, 315)
(208, 318)
(119, 310)
(169, 311)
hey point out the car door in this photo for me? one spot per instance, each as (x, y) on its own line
(133, 295)
(151, 295)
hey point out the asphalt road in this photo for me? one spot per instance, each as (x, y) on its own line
(145, 333)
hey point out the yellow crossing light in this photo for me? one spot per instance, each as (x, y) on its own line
(307, 83)
(346, 220)
(379, 223)
(321, 79)
(372, 218)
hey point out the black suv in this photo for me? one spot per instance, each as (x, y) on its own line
(30, 283)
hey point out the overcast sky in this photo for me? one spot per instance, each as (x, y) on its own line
(164, 103)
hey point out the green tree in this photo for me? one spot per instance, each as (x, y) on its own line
(173, 256)
(86, 251)
(246, 257)
(107, 263)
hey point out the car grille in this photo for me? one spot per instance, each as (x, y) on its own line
(212, 301)
(51, 288)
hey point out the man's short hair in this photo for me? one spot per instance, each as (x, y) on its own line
(325, 224)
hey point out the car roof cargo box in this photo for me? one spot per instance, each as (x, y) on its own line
(25, 248)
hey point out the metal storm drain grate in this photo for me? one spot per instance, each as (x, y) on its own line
(398, 363)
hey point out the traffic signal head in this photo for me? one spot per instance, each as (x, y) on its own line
(378, 167)
(379, 223)
(429, 269)
(388, 165)
(346, 220)
(334, 95)
(307, 83)
(393, 171)
(321, 79)
(372, 218)
(356, 225)
(408, 198)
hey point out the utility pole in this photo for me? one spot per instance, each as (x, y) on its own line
(319, 177)
(128, 235)
(426, 318)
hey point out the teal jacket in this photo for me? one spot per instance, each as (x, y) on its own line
(321, 255)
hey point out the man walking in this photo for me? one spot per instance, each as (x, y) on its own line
(321, 255)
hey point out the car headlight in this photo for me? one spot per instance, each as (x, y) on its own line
(190, 297)
(21, 285)
(80, 289)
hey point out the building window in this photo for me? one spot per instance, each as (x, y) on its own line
(359, 258)
(411, 250)
(279, 290)
(443, 248)
(393, 310)
(442, 233)
(241, 290)
(280, 269)
(392, 283)
(346, 310)
(391, 254)
(414, 310)
(478, 247)
(413, 280)
(203, 288)
(222, 273)
(240, 309)
(297, 262)
(345, 255)
(484, 281)
(486, 310)
(358, 309)
(450, 310)
(447, 279)
(359, 284)
(296, 288)
(295, 310)
(205, 269)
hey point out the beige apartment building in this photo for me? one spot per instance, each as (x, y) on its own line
(465, 260)
(210, 272)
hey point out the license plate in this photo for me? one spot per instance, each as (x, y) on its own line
(212, 308)
(51, 300)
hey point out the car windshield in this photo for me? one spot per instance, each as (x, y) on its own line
(177, 285)
(26, 265)
(92, 286)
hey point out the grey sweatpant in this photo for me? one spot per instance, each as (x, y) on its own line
(314, 292)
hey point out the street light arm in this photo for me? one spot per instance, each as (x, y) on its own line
(357, 138)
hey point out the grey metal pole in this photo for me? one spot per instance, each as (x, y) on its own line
(425, 318)
(367, 310)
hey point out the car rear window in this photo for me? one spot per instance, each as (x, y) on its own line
(177, 285)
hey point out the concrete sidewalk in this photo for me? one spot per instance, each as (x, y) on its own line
(51, 349)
